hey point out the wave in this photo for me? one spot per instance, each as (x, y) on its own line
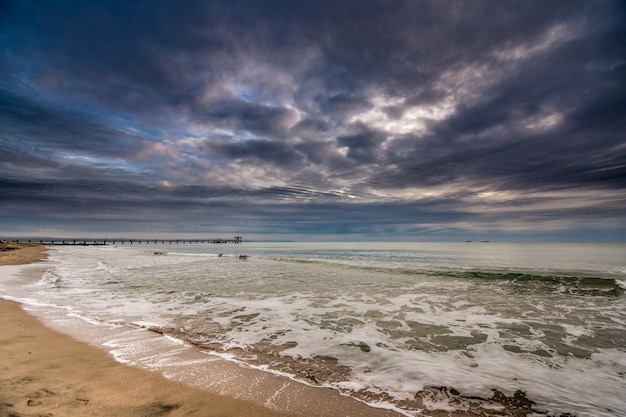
(564, 282)
(568, 284)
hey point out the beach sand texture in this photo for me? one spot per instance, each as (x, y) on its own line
(21, 253)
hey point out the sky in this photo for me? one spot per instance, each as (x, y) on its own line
(410, 120)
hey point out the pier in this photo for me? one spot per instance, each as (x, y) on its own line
(128, 241)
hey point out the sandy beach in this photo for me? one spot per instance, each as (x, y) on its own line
(46, 373)
(49, 374)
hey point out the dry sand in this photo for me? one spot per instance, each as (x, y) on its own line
(46, 373)
(21, 253)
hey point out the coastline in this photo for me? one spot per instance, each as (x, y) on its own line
(49, 373)
(46, 372)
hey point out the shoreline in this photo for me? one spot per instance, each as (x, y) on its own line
(62, 373)
(49, 373)
(46, 372)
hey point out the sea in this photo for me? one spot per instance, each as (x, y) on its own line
(409, 327)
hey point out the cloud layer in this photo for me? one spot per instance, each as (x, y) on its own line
(421, 119)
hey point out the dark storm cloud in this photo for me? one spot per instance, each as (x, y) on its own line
(485, 140)
(362, 147)
(206, 210)
(262, 150)
(27, 123)
(240, 115)
(352, 115)
(341, 105)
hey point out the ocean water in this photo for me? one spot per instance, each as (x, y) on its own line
(413, 327)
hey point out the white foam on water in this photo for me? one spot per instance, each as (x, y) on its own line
(146, 324)
(474, 371)
(175, 340)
